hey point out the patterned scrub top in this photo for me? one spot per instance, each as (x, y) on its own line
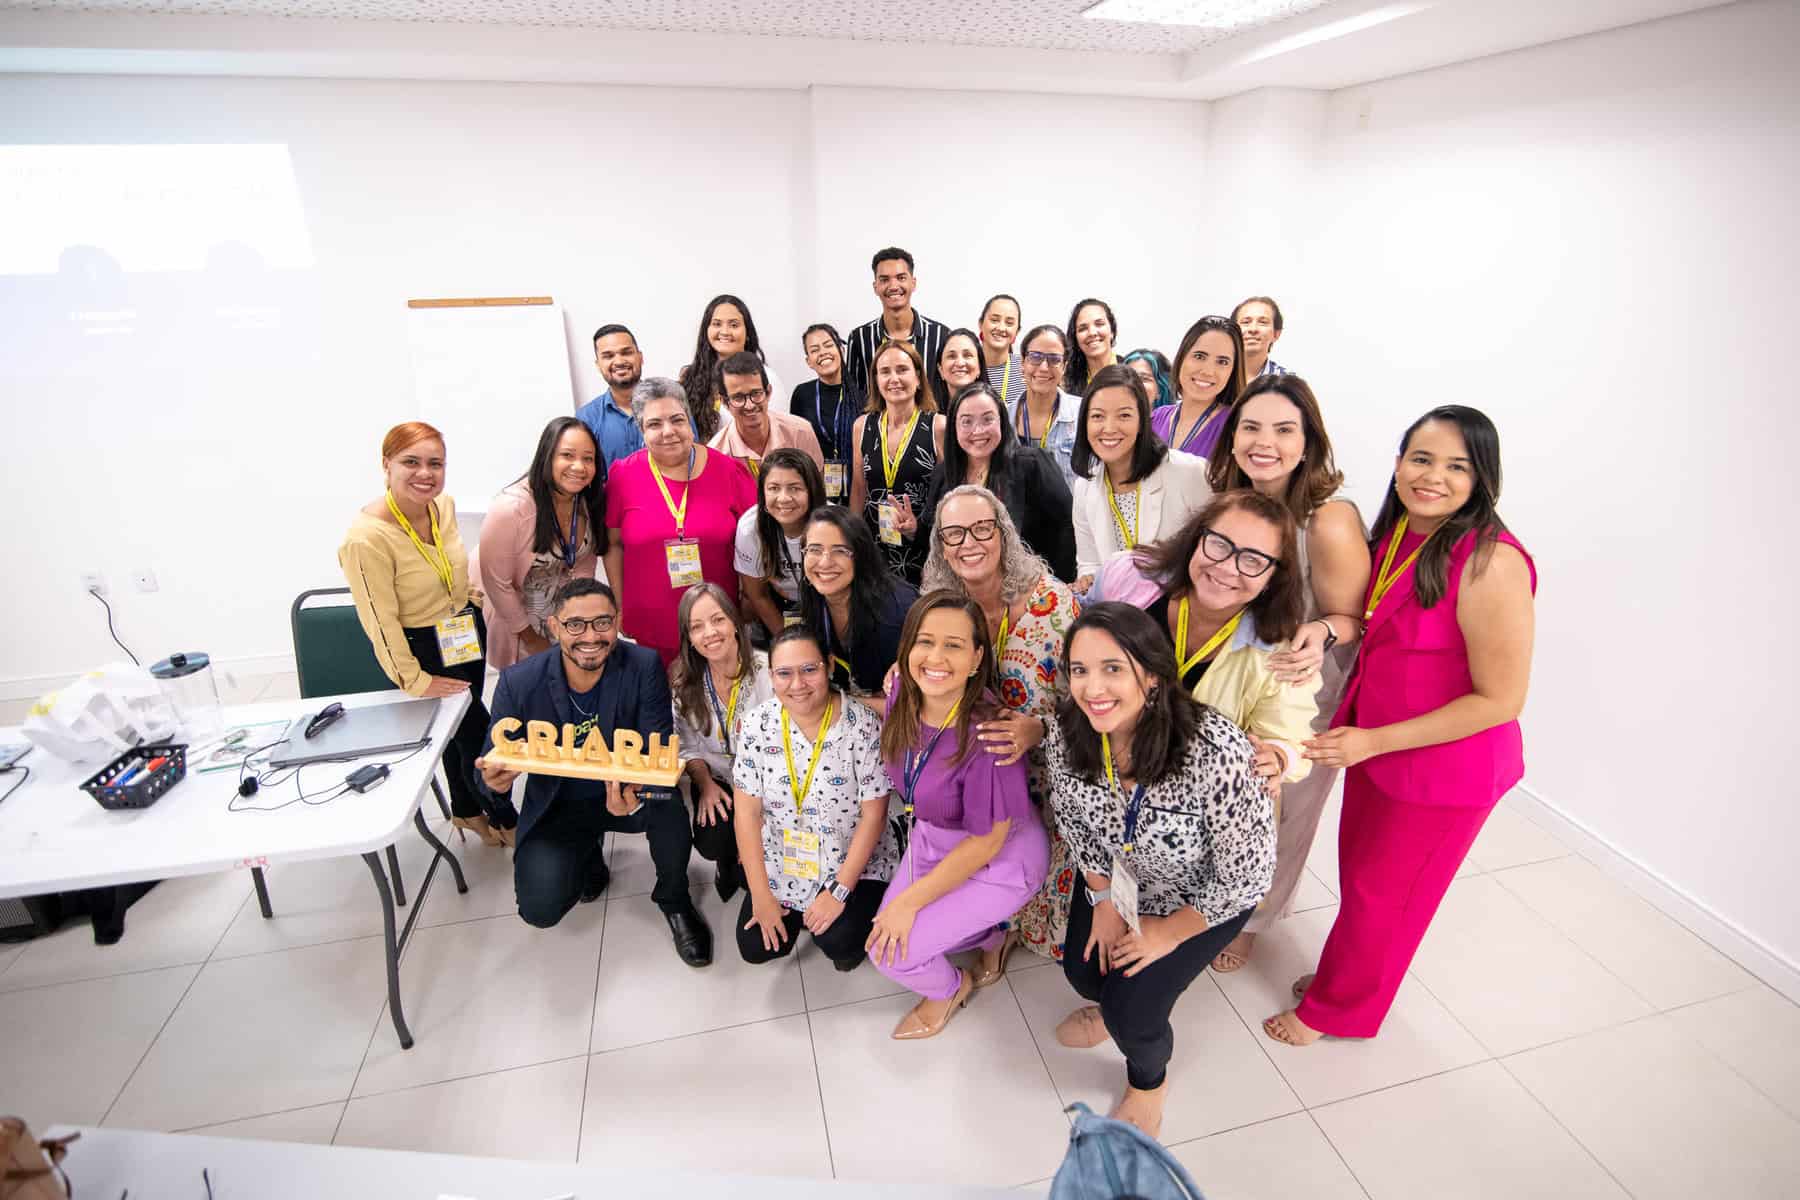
(1205, 833)
(850, 774)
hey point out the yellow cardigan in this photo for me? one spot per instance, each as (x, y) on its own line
(395, 588)
(1240, 685)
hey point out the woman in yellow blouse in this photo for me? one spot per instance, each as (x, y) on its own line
(408, 571)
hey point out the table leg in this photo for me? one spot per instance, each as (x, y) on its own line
(393, 949)
(443, 804)
(443, 851)
(262, 892)
(394, 870)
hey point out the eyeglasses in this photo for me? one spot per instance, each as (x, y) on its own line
(1249, 563)
(817, 550)
(754, 398)
(580, 625)
(969, 424)
(1038, 358)
(955, 535)
(807, 671)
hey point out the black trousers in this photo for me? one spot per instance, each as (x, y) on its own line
(1137, 1008)
(467, 798)
(844, 942)
(565, 852)
(716, 843)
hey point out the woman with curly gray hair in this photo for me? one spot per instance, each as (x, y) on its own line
(976, 551)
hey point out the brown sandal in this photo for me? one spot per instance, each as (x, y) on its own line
(1290, 1030)
(1300, 986)
(1083, 1028)
(1228, 960)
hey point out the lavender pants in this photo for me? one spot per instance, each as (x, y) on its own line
(969, 917)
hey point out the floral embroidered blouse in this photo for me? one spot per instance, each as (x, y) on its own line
(1205, 833)
(1031, 663)
(850, 774)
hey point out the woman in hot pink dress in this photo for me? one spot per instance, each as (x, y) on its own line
(1428, 729)
(672, 511)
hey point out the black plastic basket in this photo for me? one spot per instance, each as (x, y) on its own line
(144, 788)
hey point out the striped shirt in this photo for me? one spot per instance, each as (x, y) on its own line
(1007, 380)
(1271, 367)
(927, 338)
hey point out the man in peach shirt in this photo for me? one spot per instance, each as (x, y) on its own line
(753, 430)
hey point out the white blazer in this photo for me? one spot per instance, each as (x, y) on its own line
(1171, 494)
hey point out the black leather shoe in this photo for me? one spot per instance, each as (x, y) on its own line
(725, 882)
(849, 964)
(693, 939)
(598, 878)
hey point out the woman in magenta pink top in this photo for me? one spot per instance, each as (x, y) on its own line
(671, 515)
(1428, 729)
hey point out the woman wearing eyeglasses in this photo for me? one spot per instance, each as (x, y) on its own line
(672, 512)
(852, 603)
(542, 530)
(1209, 377)
(897, 441)
(715, 680)
(1173, 834)
(982, 450)
(975, 848)
(1045, 415)
(976, 552)
(1428, 731)
(1274, 440)
(1132, 490)
(768, 553)
(1227, 590)
(812, 812)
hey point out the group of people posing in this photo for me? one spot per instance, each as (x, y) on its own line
(977, 642)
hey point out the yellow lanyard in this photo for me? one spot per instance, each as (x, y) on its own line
(679, 513)
(1131, 804)
(802, 786)
(729, 717)
(1128, 536)
(890, 467)
(435, 555)
(1206, 418)
(1000, 638)
(1212, 643)
(1006, 380)
(1385, 581)
(1025, 420)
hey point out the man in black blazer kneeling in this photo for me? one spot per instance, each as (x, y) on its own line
(591, 680)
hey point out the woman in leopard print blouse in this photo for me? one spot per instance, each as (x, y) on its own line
(1145, 779)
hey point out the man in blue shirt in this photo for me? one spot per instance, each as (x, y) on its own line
(593, 681)
(621, 365)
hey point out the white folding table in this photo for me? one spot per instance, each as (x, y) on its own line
(55, 838)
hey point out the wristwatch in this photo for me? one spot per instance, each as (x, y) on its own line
(1094, 898)
(839, 892)
(1331, 637)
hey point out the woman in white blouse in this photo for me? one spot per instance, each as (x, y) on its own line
(812, 812)
(715, 679)
(1167, 821)
(1130, 489)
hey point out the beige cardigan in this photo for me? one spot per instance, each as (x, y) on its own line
(1172, 493)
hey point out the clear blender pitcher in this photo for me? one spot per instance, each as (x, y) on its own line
(188, 681)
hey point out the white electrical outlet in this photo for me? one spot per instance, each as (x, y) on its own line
(93, 581)
(144, 579)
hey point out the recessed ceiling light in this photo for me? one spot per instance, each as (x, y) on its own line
(1207, 14)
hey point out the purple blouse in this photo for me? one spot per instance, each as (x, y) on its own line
(1162, 424)
(970, 795)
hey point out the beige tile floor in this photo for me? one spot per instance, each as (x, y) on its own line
(1557, 1037)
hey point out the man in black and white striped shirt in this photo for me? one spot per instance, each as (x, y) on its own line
(898, 322)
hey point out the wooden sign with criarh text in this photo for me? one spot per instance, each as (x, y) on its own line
(543, 751)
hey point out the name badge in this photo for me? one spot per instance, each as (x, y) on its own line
(789, 620)
(1125, 893)
(834, 479)
(889, 517)
(457, 640)
(683, 556)
(800, 854)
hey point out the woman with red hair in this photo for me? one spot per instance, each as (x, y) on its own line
(409, 574)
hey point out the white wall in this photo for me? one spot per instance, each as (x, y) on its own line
(231, 468)
(1597, 243)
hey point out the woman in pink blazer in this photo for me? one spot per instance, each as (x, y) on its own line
(543, 529)
(1428, 729)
